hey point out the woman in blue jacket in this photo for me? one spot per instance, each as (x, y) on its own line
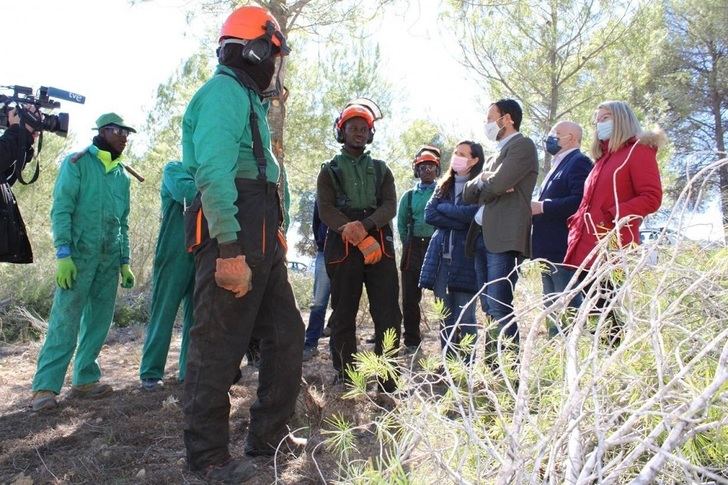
(447, 271)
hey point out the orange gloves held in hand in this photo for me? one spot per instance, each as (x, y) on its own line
(234, 274)
(370, 249)
(353, 232)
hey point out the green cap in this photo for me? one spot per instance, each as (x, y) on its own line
(107, 119)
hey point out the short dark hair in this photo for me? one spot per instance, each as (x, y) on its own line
(510, 107)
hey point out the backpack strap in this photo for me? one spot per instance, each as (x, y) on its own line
(260, 159)
(342, 200)
(378, 179)
(410, 215)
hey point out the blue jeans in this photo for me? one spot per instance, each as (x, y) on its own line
(555, 278)
(321, 292)
(455, 303)
(497, 300)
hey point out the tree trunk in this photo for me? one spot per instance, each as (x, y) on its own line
(554, 84)
(717, 102)
(277, 109)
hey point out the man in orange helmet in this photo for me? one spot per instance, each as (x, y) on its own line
(233, 226)
(357, 201)
(415, 235)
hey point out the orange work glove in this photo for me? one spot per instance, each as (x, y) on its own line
(371, 250)
(353, 232)
(234, 274)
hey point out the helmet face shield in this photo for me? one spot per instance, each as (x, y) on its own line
(369, 105)
(275, 88)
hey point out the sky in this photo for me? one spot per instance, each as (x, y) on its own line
(116, 54)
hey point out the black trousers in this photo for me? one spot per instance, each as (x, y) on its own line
(413, 255)
(223, 329)
(347, 280)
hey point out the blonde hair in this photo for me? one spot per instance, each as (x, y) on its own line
(626, 126)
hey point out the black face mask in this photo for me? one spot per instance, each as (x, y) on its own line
(261, 74)
(102, 144)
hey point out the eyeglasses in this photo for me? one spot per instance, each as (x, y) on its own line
(427, 167)
(117, 130)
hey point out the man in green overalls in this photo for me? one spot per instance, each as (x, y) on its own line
(357, 201)
(90, 233)
(173, 278)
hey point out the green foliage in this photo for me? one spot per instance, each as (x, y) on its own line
(302, 285)
(560, 58)
(341, 437)
(322, 81)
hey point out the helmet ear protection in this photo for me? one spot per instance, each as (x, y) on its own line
(427, 153)
(339, 132)
(260, 49)
(354, 111)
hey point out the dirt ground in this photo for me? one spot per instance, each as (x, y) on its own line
(135, 436)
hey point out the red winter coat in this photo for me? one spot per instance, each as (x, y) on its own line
(638, 189)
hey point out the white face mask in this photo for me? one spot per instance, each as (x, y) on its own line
(605, 129)
(492, 129)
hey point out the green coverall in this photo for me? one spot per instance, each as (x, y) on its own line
(173, 278)
(90, 221)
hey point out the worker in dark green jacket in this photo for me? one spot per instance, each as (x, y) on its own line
(90, 233)
(234, 228)
(357, 201)
(415, 235)
(173, 278)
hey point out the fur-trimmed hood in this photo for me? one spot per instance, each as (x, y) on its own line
(656, 138)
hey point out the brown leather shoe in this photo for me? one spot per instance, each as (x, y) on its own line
(92, 390)
(234, 470)
(43, 401)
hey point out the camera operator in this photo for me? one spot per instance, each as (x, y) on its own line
(16, 149)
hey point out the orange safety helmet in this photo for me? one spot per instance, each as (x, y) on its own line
(426, 154)
(355, 111)
(250, 23)
(427, 157)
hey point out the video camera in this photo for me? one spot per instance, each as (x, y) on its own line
(23, 96)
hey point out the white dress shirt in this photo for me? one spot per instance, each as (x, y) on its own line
(479, 215)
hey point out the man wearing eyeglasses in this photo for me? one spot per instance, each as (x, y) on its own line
(415, 235)
(90, 233)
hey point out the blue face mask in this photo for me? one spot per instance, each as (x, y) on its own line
(605, 129)
(552, 145)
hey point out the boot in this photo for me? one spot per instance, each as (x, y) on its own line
(234, 470)
(92, 390)
(43, 401)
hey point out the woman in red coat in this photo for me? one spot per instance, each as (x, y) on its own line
(624, 183)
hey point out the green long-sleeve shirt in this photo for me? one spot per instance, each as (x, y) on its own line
(419, 199)
(217, 148)
(358, 180)
(177, 190)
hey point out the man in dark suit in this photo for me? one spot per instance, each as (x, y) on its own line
(558, 199)
(501, 231)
